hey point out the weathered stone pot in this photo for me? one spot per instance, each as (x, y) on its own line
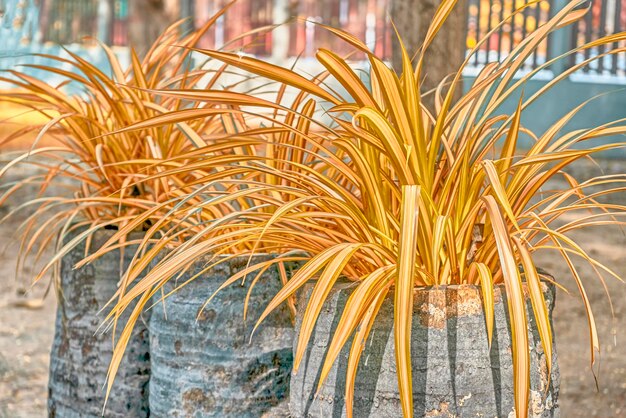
(455, 374)
(80, 354)
(203, 361)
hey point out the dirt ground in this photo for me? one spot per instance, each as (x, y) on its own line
(26, 331)
(579, 397)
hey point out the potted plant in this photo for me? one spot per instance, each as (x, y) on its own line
(419, 238)
(226, 375)
(99, 174)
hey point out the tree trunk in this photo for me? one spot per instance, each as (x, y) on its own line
(147, 20)
(445, 55)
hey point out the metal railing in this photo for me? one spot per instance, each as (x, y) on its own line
(367, 19)
(485, 17)
(75, 21)
(83, 21)
(606, 17)
(243, 17)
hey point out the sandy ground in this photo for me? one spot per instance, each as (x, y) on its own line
(579, 397)
(26, 329)
(26, 334)
(12, 119)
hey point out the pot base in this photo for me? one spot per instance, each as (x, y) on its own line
(203, 361)
(455, 373)
(81, 353)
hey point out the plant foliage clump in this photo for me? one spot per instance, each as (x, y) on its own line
(389, 194)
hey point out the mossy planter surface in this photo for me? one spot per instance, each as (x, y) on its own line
(455, 374)
(203, 361)
(81, 354)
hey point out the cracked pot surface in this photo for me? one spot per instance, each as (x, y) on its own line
(81, 353)
(455, 373)
(204, 363)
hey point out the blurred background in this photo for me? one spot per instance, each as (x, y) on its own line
(284, 31)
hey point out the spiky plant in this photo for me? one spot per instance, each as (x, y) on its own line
(98, 173)
(400, 195)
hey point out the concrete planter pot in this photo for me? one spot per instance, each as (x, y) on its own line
(203, 362)
(455, 374)
(80, 355)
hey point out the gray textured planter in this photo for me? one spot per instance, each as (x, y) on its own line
(454, 372)
(80, 356)
(209, 367)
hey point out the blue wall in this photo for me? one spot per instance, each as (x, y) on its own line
(608, 104)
